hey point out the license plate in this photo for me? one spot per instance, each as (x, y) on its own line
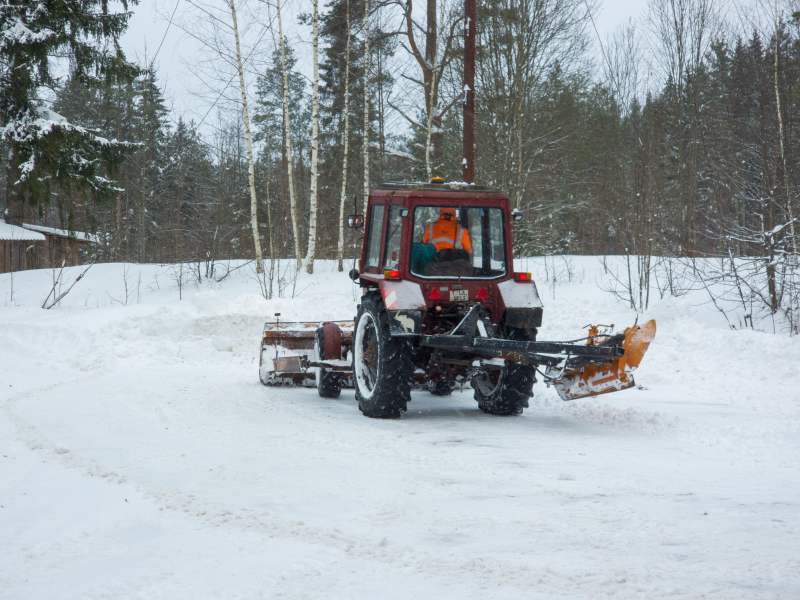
(459, 295)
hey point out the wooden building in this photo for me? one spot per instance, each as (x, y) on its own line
(38, 247)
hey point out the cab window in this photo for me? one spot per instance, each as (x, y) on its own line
(375, 232)
(450, 241)
(391, 255)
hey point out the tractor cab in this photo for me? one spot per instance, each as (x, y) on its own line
(452, 241)
(447, 232)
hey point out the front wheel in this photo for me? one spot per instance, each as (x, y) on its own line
(505, 391)
(383, 366)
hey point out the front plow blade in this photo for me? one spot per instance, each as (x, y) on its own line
(602, 378)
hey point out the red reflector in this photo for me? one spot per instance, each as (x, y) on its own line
(482, 295)
(434, 295)
(391, 274)
(522, 277)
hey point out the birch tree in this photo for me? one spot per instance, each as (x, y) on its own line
(340, 251)
(250, 169)
(312, 226)
(288, 136)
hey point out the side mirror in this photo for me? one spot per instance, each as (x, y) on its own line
(355, 221)
(516, 214)
(354, 275)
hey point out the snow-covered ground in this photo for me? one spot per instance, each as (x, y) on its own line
(140, 457)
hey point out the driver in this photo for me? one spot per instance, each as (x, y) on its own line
(446, 233)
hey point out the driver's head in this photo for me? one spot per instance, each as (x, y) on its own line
(447, 213)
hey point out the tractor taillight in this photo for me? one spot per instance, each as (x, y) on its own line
(523, 277)
(391, 274)
(434, 295)
(482, 295)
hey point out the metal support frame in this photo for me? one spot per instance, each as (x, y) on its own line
(471, 341)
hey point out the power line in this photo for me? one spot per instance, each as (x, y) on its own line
(167, 31)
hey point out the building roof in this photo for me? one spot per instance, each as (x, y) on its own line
(12, 232)
(78, 235)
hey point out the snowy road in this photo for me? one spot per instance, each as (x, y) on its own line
(141, 458)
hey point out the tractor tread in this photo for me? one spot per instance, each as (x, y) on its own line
(512, 395)
(393, 389)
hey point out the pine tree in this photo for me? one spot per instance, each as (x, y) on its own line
(44, 148)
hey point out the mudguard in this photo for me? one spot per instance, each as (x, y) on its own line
(405, 322)
(523, 306)
(401, 295)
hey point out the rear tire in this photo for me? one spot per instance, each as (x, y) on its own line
(329, 383)
(383, 366)
(506, 392)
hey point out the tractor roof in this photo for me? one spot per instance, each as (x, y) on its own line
(449, 186)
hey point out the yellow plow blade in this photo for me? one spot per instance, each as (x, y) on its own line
(604, 378)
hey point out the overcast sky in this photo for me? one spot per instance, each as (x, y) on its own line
(150, 23)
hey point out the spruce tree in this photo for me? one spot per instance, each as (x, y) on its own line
(44, 148)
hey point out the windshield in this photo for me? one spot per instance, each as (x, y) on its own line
(458, 242)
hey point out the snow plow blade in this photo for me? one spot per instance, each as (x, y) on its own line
(579, 379)
(287, 355)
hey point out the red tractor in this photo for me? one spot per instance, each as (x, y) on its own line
(441, 305)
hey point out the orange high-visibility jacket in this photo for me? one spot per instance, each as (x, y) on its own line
(446, 233)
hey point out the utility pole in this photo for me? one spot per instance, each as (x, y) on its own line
(468, 162)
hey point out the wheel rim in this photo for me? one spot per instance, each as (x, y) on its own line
(365, 355)
(488, 382)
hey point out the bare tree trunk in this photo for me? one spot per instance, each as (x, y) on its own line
(269, 219)
(518, 199)
(178, 240)
(340, 252)
(312, 226)
(780, 136)
(434, 83)
(288, 129)
(430, 81)
(468, 142)
(250, 169)
(118, 240)
(283, 222)
(142, 233)
(366, 105)
(16, 199)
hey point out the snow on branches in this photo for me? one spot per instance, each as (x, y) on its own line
(44, 147)
(61, 150)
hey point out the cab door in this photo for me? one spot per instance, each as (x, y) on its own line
(392, 257)
(376, 222)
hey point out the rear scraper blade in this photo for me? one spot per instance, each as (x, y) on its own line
(606, 377)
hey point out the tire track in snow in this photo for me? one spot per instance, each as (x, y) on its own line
(546, 578)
